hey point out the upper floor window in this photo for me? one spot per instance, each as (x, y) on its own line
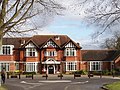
(50, 53)
(31, 50)
(7, 49)
(70, 52)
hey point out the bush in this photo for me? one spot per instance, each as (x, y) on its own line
(106, 72)
(83, 72)
(97, 72)
(27, 73)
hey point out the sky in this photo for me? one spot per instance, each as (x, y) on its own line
(73, 25)
(77, 30)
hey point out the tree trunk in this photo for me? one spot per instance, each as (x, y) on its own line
(1, 40)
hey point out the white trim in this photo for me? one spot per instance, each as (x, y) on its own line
(11, 49)
(7, 61)
(74, 66)
(34, 66)
(99, 64)
(51, 61)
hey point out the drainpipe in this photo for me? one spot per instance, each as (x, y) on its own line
(40, 68)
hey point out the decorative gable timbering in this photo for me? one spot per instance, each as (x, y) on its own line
(31, 50)
(50, 44)
(30, 45)
(70, 45)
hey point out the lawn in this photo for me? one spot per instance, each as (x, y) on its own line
(114, 86)
(3, 87)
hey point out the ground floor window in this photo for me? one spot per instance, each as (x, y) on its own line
(17, 66)
(6, 66)
(95, 66)
(30, 67)
(71, 66)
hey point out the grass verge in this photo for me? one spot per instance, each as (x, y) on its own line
(113, 86)
(3, 87)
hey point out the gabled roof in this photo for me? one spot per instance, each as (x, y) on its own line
(39, 40)
(100, 55)
(29, 41)
(50, 39)
(17, 42)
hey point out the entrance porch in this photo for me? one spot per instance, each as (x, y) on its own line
(51, 66)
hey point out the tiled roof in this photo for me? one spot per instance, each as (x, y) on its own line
(15, 41)
(100, 55)
(39, 40)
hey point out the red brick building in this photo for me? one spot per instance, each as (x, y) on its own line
(52, 54)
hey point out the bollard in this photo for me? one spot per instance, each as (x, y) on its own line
(7, 75)
(19, 76)
(60, 75)
(32, 76)
(46, 76)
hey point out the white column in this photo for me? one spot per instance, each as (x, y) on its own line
(90, 66)
(54, 68)
(47, 68)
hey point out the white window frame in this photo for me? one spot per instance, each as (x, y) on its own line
(70, 52)
(6, 66)
(17, 66)
(50, 53)
(30, 67)
(95, 65)
(8, 49)
(71, 66)
(31, 50)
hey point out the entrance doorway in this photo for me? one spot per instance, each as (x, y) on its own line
(50, 69)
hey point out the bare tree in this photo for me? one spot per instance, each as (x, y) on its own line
(15, 13)
(103, 13)
(112, 43)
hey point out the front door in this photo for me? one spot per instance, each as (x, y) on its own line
(50, 69)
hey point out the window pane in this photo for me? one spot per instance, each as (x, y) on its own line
(71, 66)
(6, 50)
(95, 66)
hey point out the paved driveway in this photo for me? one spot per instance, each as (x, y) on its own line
(54, 83)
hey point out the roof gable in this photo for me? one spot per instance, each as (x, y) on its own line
(49, 43)
(30, 43)
(39, 41)
(71, 43)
